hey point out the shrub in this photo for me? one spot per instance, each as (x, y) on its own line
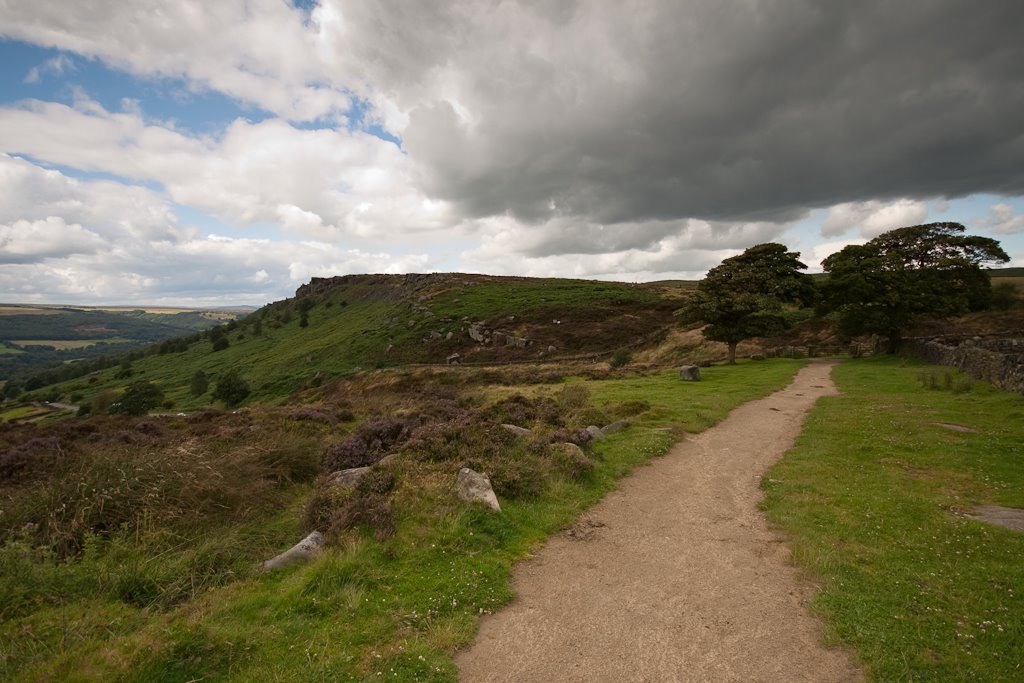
(311, 415)
(621, 358)
(37, 454)
(200, 383)
(221, 343)
(1004, 296)
(522, 411)
(516, 475)
(138, 399)
(231, 388)
(572, 462)
(370, 442)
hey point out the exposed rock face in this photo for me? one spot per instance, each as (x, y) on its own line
(518, 431)
(471, 486)
(616, 426)
(595, 433)
(304, 550)
(476, 333)
(690, 373)
(347, 478)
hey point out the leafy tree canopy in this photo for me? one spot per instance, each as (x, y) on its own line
(933, 270)
(231, 388)
(748, 295)
(138, 399)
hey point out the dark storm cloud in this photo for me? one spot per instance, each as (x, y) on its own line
(622, 113)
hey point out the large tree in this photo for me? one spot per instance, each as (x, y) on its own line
(922, 270)
(748, 295)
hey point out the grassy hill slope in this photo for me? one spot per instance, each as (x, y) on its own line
(372, 321)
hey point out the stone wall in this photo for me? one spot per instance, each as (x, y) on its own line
(998, 361)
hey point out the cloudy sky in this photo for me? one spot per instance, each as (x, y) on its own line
(196, 152)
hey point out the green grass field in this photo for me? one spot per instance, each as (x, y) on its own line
(871, 496)
(182, 603)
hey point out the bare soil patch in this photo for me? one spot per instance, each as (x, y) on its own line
(679, 577)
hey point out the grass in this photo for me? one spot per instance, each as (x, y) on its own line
(392, 609)
(9, 350)
(364, 324)
(870, 496)
(63, 344)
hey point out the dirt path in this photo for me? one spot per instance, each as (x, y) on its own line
(675, 576)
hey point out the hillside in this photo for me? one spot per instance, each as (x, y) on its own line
(375, 321)
(34, 337)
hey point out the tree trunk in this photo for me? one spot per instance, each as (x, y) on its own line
(732, 353)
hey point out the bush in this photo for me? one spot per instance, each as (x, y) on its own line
(370, 442)
(231, 388)
(200, 383)
(221, 343)
(522, 411)
(37, 454)
(620, 358)
(138, 399)
(1004, 296)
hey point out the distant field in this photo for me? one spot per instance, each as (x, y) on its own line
(1016, 281)
(27, 310)
(9, 350)
(63, 344)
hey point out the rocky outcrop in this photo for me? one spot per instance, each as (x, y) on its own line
(689, 373)
(304, 550)
(477, 333)
(472, 486)
(595, 433)
(347, 478)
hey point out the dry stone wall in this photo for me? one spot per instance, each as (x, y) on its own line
(998, 361)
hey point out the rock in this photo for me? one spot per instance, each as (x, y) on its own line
(476, 332)
(690, 373)
(570, 448)
(518, 342)
(518, 431)
(347, 478)
(616, 426)
(472, 486)
(304, 550)
(452, 359)
(387, 460)
(595, 433)
(448, 337)
(551, 349)
(498, 339)
(757, 356)
(434, 334)
(388, 349)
